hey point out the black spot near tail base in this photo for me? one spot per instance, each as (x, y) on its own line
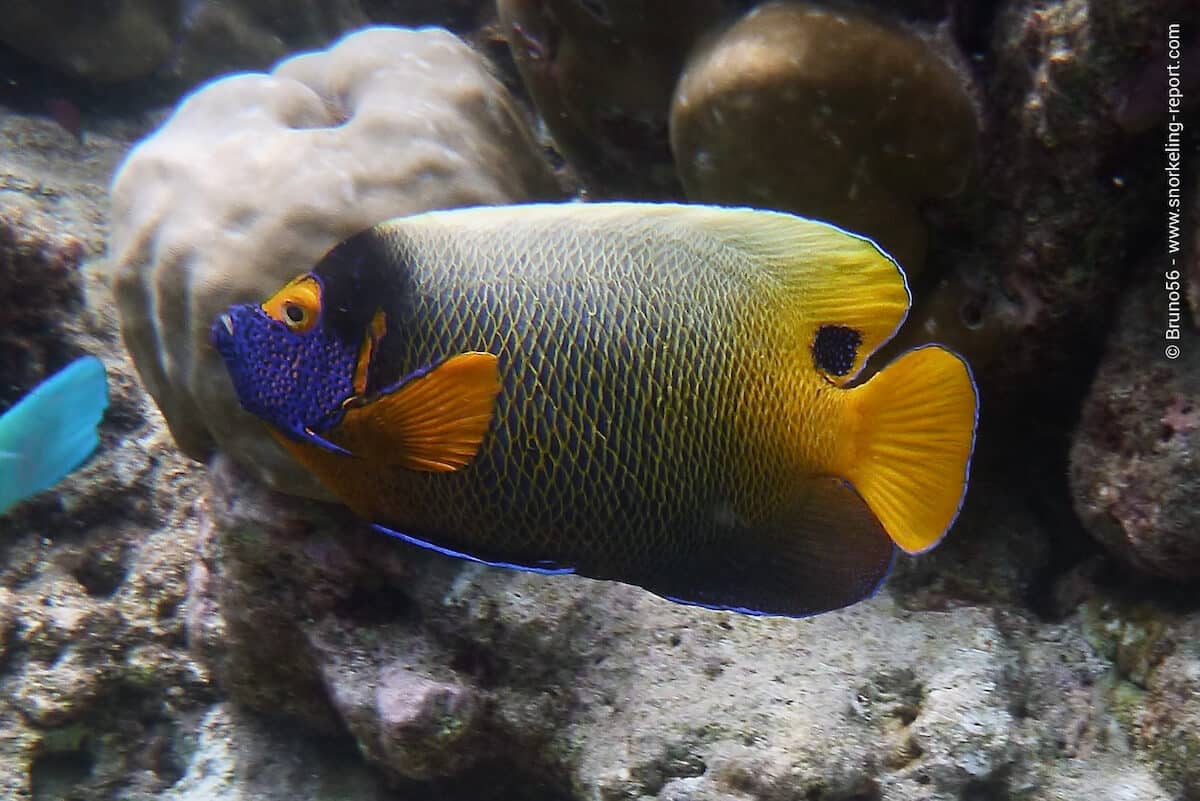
(835, 347)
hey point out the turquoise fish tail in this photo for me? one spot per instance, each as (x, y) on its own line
(50, 431)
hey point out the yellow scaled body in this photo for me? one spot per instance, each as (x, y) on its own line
(648, 393)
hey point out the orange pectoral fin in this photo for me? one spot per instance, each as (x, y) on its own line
(433, 422)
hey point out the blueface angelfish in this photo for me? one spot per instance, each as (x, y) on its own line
(52, 430)
(652, 394)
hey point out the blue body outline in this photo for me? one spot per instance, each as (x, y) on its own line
(546, 571)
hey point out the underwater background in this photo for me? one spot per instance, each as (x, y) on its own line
(187, 616)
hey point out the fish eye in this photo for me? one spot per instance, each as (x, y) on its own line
(297, 305)
(295, 313)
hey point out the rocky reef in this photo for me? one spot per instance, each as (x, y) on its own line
(602, 75)
(173, 626)
(1134, 465)
(597, 690)
(829, 114)
(177, 43)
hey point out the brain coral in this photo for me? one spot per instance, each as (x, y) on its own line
(255, 176)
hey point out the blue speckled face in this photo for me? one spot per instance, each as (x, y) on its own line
(287, 368)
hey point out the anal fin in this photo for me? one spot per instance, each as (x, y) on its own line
(823, 551)
(546, 566)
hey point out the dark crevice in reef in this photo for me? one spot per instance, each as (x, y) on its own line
(484, 666)
(499, 779)
(164, 757)
(32, 87)
(1070, 547)
(1046, 423)
(99, 575)
(678, 760)
(972, 23)
(11, 645)
(1116, 581)
(41, 281)
(989, 788)
(374, 600)
(1034, 436)
(58, 775)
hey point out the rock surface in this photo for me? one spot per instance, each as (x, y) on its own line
(601, 74)
(92, 576)
(236, 757)
(836, 115)
(51, 220)
(1026, 263)
(1134, 467)
(605, 691)
(105, 42)
(169, 44)
(389, 122)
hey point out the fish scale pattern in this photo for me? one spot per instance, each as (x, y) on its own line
(645, 411)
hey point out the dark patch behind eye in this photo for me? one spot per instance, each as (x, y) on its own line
(835, 347)
(358, 276)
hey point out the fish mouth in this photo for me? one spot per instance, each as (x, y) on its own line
(220, 334)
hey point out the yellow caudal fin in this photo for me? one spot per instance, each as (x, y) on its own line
(907, 447)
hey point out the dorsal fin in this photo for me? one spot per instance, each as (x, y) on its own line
(839, 279)
(849, 293)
